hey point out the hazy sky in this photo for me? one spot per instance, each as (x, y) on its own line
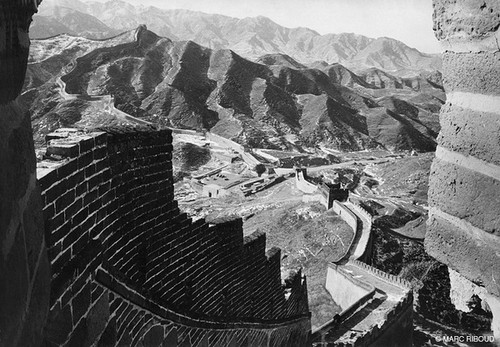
(409, 21)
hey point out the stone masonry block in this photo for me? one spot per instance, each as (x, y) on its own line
(97, 319)
(81, 303)
(472, 72)
(56, 191)
(475, 256)
(61, 133)
(100, 138)
(108, 337)
(59, 324)
(465, 19)
(65, 200)
(85, 160)
(465, 194)
(79, 334)
(461, 128)
(86, 144)
(67, 169)
(63, 149)
(46, 173)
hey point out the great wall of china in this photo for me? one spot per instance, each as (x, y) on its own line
(362, 291)
(70, 275)
(126, 260)
(116, 274)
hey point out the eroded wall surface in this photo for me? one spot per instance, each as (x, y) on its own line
(24, 268)
(464, 192)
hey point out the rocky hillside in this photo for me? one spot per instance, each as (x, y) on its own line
(248, 37)
(277, 103)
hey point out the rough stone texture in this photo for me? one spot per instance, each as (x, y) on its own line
(465, 19)
(494, 306)
(473, 255)
(15, 17)
(465, 194)
(461, 129)
(398, 334)
(477, 72)
(464, 186)
(154, 336)
(24, 268)
(462, 290)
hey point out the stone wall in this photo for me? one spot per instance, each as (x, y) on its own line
(344, 289)
(302, 184)
(350, 218)
(24, 269)
(320, 192)
(119, 245)
(396, 280)
(363, 245)
(394, 328)
(464, 186)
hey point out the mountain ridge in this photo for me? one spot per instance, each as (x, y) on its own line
(186, 85)
(250, 37)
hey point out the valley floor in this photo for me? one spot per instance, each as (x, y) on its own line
(393, 188)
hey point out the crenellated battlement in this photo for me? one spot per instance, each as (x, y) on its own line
(376, 312)
(321, 192)
(396, 280)
(112, 221)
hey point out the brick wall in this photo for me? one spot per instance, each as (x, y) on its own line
(112, 223)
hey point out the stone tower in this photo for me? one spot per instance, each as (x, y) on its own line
(464, 195)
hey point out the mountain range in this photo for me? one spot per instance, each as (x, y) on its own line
(273, 102)
(250, 38)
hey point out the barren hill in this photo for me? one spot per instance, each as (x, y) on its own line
(249, 37)
(276, 105)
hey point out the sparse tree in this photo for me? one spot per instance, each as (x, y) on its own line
(260, 169)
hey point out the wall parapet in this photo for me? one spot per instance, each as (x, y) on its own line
(400, 308)
(393, 279)
(391, 317)
(365, 235)
(350, 218)
(362, 211)
(116, 282)
(302, 183)
(109, 204)
(319, 191)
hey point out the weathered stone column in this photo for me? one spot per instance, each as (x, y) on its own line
(464, 192)
(24, 267)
